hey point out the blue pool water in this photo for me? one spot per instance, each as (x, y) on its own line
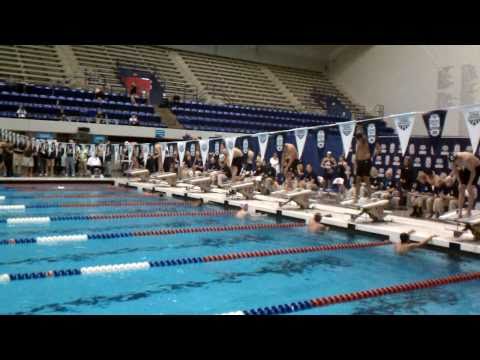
(209, 288)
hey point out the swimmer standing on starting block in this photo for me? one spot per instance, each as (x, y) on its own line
(405, 246)
(315, 224)
(466, 169)
(363, 165)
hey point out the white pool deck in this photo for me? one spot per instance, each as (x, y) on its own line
(340, 216)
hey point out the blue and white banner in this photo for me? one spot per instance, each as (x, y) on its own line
(204, 145)
(262, 143)
(434, 122)
(192, 149)
(404, 126)
(181, 147)
(116, 152)
(301, 138)
(472, 120)
(347, 129)
(230, 145)
(279, 142)
(163, 150)
(371, 133)
(245, 146)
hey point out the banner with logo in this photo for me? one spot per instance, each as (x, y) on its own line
(181, 146)
(262, 144)
(404, 126)
(204, 145)
(434, 122)
(230, 145)
(301, 138)
(472, 120)
(347, 129)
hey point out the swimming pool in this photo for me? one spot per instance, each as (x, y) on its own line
(180, 259)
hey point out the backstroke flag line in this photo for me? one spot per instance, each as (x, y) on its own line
(346, 131)
(204, 145)
(262, 143)
(404, 126)
(301, 138)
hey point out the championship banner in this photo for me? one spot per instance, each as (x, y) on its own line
(434, 122)
(230, 145)
(204, 145)
(404, 126)
(146, 151)
(116, 152)
(163, 149)
(472, 120)
(301, 138)
(181, 146)
(347, 130)
(371, 136)
(245, 146)
(321, 142)
(262, 143)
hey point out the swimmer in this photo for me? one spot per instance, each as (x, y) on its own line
(466, 169)
(363, 164)
(196, 203)
(289, 159)
(242, 213)
(315, 224)
(404, 246)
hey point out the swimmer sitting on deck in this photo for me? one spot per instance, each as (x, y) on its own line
(315, 224)
(405, 246)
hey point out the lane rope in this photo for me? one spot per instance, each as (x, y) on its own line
(102, 269)
(160, 232)
(358, 295)
(99, 217)
(99, 204)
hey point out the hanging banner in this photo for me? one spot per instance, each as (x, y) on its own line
(346, 131)
(321, 141)
(163, 149)
(192, 149)
(204, 145)
(279, 142)
(301, 138)
(404, 126)
(434, 122)
(472, 120)
(116, 152)
(181, 150)
(230, 145)
(262, 143)
(146, 150)
(245, 146)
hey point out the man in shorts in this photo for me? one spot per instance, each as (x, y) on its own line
(363, 165)
(466, 169)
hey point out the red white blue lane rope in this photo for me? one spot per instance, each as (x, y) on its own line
(99, 217)
(106, 204)
(184, 261)
(85, 237)
(359, 295)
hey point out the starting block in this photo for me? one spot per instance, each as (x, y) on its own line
(143, 174)
(301, 198)
(204, 183)
(246, 189)
(375, 210)
(471, 223)
(170, 178)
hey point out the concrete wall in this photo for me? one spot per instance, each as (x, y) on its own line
(410, 78)
(285, 55)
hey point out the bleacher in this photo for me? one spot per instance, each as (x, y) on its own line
(313, 89)
(235, 81)
(35, 63)
(247, 119)
(102, 60)
(46, 103)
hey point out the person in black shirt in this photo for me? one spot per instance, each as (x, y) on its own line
(108, 148)
(445, 196)
(213, 163)
(42, 158)
(70, 160)
(310, 179)
(197, 163)
(59, 168)
(2, 160)
(342, 170)
(133, 93)
(422, 193)
(8, 159)
(151, 164)
(260, 167)
(50, 160)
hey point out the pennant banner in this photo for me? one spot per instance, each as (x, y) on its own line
(301, 138)
(472, 120)
(262, 143)
(204, 145)
(346, 131)
(434, 122)
(404, 126)
(321, 142)
(230, 145)
(181, 146)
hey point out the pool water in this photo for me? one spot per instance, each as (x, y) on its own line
(207, 288)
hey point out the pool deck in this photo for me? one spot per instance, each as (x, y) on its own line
(340, 216)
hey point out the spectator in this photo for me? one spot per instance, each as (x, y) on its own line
(310, 179)
(99, 94)
(50, 160)
(328, 165)
(8, 159)
(151, 164)
(2, 160)
(275, 163)
(133, 93)
(94, 165)
(133, 120)
(18, 159)
(82, 157)
(108, 149)
(343, 171)
(100, 117)
(70, 159)
(60, 162)
(28, 161)
(21, 112)
(42, 158)
(260, 167)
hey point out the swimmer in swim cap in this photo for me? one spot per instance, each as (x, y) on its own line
(406, 246)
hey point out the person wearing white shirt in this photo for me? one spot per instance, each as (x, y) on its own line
(94, 164)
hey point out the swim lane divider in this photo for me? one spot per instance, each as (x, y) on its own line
(359, 295)
(85, 237)
(47, 219)
(102, 269)
(104, 204)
